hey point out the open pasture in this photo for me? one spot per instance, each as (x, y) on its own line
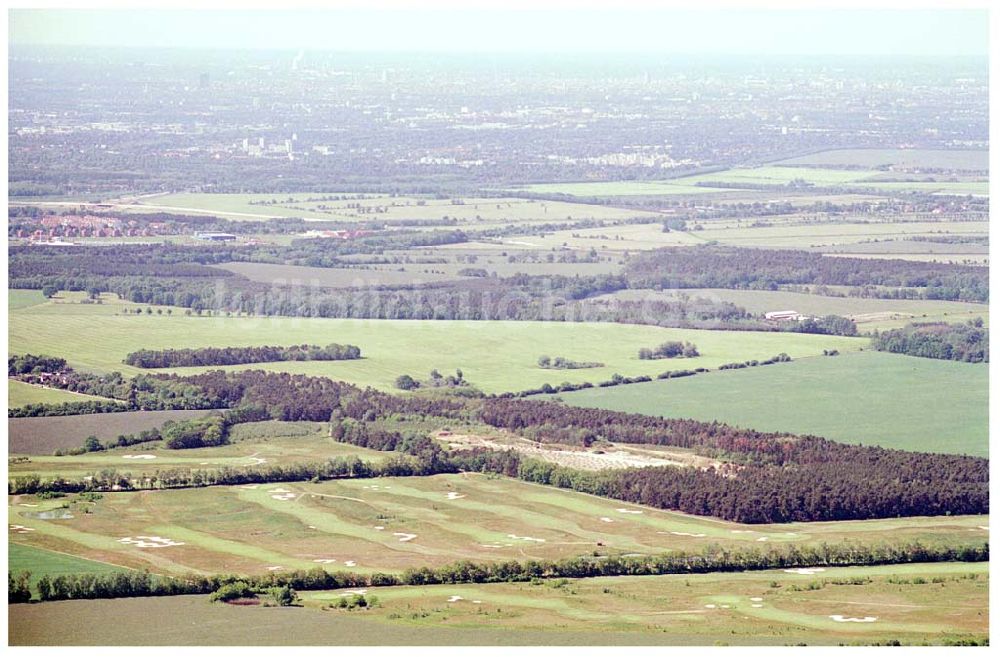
(496, 356)
(389, 524)
(909, 158)
(871, 398)
(23, 298)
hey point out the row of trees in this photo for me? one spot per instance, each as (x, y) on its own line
(711, 559)
(766, 269)
(560, 363)
(148, 358)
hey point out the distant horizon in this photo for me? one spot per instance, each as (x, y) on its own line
(917, 33)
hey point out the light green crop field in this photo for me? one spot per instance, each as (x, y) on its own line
(672, 187)
(863, 311)
(495, 356)
(779, 176)
(874, 158)
(39, 562)
(615, 239)
(474, 211)
(940, 188)
(264, 444)
(872, 398)
(23, 298)
(21, 394)
(393, 523)
(760, 608)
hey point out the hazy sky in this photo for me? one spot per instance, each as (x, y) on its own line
(809, 32)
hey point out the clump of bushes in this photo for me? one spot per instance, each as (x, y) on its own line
(672, 349)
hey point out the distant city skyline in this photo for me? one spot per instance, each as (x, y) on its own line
(920, 32)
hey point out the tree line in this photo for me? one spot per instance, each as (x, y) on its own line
(969, 342)
(132, 584)
(149, 358)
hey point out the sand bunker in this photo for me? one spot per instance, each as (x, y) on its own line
(280, 490)
(762, 539)
(985, 529)
(756, 605)
(379, 527)
(20, 529)
(138, 456)
(606, 520)
(455, 598)
(844, 619)
(324, 560)
(496, 545)
(709, 606)
(804, 571)
(344, 594)
(526, 538)
(29, 505)
(275, 567)
(149, 541)
(249, 486)
(742, 531)
(404, 537)
(284, 497)
(683, 534)
(756, 599)
(455, 496)
(627, 511)
(350, 564)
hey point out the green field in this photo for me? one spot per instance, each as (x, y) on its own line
(495, 356)
(865, 312)
(41, 562)
(625, 188)
(23, 298)
(22, 394)
(874, 158)
(474, 211)
(762, 608)
(392, 523)
(872, 398)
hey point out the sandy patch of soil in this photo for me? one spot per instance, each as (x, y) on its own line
(149, 541)
(804, 571)
(617, 456)
(847, 619)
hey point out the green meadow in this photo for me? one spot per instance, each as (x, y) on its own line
(871, 398)
(496, 356)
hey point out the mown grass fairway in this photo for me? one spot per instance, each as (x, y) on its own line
(872, 398)
(389, 524)
(495, 356)
(256, 444)
(768, 607)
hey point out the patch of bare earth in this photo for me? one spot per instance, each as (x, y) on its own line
(603, 458)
